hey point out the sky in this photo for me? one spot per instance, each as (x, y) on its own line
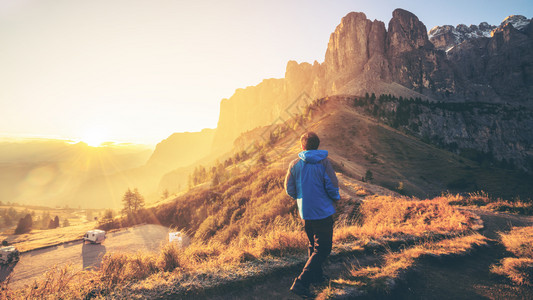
(138, 70)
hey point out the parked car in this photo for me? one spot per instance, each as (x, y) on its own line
(8, 254)
(95, 236)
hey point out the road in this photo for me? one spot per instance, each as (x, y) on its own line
(35, 263)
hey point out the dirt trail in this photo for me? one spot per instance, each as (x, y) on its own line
(276, 286)
(452, 278)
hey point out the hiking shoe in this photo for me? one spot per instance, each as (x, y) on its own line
(300, 289)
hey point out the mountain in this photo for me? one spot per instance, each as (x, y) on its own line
(50, 172)
(364, 57)
(502, 64)
(496, 61)
(445, 37)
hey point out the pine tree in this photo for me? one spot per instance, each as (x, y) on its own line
(108, 214)
(24, 224)
(369, 176)
(127, 202)
(137, 201)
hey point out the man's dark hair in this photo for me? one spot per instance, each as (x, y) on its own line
(310, 141)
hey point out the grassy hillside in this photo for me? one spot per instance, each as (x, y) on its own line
(398, 161)
(243, 226)
(246, 228)
(359, 143)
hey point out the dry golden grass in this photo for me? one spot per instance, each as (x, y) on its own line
(247, 226)
(520, 207)
(519, 270)
(396, 217)
(518, 241)
(58, 283)
(358, 189)
(482, 199)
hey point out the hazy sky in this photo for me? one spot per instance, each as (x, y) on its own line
(139, 70)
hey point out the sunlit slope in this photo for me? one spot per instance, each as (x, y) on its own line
(404, 163)
(397, 161)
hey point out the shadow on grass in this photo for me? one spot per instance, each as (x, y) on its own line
(6, 269)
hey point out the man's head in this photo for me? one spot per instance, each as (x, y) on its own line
(310, 141)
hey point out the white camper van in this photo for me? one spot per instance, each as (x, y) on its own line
(95, 236)
(8, 254)
(178, 237)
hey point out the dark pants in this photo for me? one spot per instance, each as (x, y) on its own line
(320, 235)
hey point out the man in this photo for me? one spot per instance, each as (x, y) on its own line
(313, 183)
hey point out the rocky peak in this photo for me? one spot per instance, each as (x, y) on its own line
(519, 22)
(362, 56)
(447, 36)
(413, 61)
(356, 50)
(348, 44)
(406, 33)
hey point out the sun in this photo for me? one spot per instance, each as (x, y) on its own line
(95, 136)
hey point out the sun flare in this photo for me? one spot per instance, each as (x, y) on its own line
(95, 136)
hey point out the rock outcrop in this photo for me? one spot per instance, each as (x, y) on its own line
(414, 63)
(447, 36)
(499, 68)
(362, 56)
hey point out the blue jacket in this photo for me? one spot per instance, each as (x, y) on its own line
(313, 183)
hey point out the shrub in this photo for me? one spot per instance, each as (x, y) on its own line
(24, 225)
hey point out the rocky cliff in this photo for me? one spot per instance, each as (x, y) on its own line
(482, 64)
(445, 37)
(503, 64)
(362, 56)
(490, 133)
